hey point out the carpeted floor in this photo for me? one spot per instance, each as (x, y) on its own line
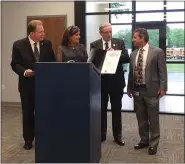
(171, 148)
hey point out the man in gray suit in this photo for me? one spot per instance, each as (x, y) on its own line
(147, 82)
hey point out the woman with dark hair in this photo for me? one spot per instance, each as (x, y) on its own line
(70, 48)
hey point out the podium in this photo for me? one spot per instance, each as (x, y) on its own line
(67, 113)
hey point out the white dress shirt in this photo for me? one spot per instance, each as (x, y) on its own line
(145, 53)
(32, 44)
(109, 44)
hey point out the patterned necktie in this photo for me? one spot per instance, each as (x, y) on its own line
(36, 52)
(139, 68)
(106, 45)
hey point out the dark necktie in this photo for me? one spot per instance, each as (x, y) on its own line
(36, 52)
(139, 68)
(106, 45)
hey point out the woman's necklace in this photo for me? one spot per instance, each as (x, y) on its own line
(72, 46)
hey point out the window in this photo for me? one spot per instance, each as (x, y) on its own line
(174, 5)
(123, 23)
(148, 17)
(92, 7)
(153, 37)
(175, 42)
(124, 32)
(121, 18)
(174, 16)
(121, 6)
(143, 6)
(175, 78)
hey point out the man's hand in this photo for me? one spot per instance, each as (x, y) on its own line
(29, 73)
(129, 93)
(161, 93)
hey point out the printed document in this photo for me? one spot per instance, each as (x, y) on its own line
(111, 62)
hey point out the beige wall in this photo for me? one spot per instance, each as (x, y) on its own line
(92, 28)
(14, 18)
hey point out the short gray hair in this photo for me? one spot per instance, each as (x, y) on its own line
(102, 26)
(32, 25)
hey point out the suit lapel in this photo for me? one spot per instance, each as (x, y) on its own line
(134, 59)
(148, 56)
(30, 51)
(100, 44)
(113, 44)
(41, 48)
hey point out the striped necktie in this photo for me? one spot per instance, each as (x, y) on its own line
(139, 68)
(36, 52)
(106, 45)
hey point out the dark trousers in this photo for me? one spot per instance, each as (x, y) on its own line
(28, 116)
(116, 104)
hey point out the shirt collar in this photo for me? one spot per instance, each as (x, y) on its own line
(31, 41)
(145, 48)
(105, 41)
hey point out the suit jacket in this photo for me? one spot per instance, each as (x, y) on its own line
(23, 58)
(116, 81)
(155, 71)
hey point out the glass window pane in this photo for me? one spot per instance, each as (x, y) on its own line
(120, 6)
(175, 42)
(121, 18)
(175, 78)
(153, 37)
(174, 16)
(92, 7)
(143, 6)
(92, 27)
(174, 5)
(124, 32)
(145, 17)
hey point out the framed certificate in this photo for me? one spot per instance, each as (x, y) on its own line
(111, 62)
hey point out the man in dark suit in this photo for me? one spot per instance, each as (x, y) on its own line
(112, 85)
(147, 82)
(25, 53)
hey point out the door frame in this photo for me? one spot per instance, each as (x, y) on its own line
(160, 25)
